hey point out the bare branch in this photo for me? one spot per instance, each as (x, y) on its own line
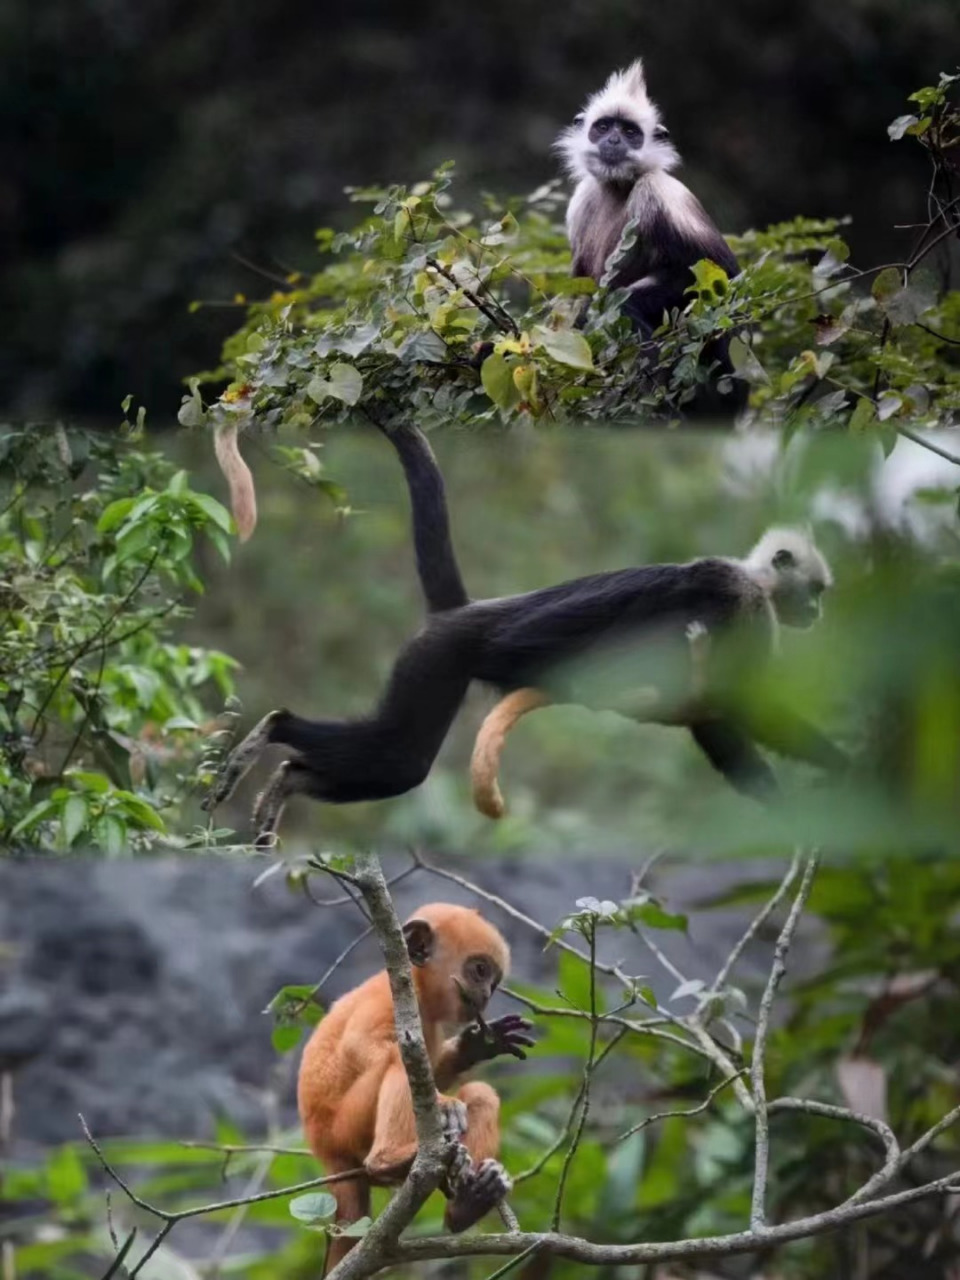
(758, 1063)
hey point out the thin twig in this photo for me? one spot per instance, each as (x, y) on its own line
(758, 1063)
(689, 1111)
(584, 1095)
(756, 925)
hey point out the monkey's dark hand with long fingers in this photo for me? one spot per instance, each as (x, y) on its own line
(484, 1041)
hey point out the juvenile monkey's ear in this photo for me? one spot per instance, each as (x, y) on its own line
(420, 940)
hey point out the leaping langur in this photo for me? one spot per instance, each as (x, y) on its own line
(620, 155)
(535, 640)
(353, 1094)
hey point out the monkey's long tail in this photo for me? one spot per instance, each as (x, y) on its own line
(436, 560)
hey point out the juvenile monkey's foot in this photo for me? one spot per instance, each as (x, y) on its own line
(239, 762)
(478, 1190)
(453, 1118)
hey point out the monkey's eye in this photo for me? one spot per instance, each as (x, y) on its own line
(784, 560)
(630, 130)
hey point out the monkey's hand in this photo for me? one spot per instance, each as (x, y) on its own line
(482, 1041)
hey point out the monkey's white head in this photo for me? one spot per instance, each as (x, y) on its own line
(793, 571)
(618, 136)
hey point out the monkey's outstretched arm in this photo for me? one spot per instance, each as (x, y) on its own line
(485, 762)
(788, 733)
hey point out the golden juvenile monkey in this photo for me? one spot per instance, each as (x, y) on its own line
(353, 1094)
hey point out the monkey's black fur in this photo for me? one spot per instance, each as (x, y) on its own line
(510, 643)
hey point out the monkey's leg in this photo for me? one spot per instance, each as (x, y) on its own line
(353, 1203)
(479, 1185)
(395, 1132)
(485, 761)
(240, 761)
(732, 753)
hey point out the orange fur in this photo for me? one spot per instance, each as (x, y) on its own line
(352, 1091)
(485, 762)
(243, 497)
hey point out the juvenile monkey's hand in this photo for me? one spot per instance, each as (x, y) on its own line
(482, 1041)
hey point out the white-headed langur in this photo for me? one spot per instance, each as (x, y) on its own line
(620, 156)
(717, 617)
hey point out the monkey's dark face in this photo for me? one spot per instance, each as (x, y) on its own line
(797, 595)
(479, 977)
(616, 146)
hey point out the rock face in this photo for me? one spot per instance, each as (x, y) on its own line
(133, 992)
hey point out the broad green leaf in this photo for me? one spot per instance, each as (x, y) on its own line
(566, 346)
(497, 378)
(315, 1206)
(73, 819)
(285, 1038)
(110, 834)
(346, 382)
(214, 510)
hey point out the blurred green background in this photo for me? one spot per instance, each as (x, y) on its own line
(150, 149)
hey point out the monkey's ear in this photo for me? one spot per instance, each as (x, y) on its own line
(420, 940)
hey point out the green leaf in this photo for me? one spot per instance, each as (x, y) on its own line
(214, 510)
(710, 280)
(864, 417)
(357, 1230)
(316, 1206)
(73, 819)
(66, 1176)
(566, 346)
(285, 1038)
(35, 815)
(139, 810)
(110, 834)
(654, 916)
(346, 383)
(745, 363)
(115, 514)
(497, 378)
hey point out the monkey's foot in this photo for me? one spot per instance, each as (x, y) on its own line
(453, 1118)
(478, 1190)
(239, 762)
(269, 804)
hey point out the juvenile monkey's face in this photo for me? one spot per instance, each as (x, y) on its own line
(479, 977)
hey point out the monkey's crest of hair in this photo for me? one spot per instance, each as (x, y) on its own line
(623, 97)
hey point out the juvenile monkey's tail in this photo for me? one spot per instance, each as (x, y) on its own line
(436, 560)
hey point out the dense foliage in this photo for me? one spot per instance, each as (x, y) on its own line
(101, 705)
